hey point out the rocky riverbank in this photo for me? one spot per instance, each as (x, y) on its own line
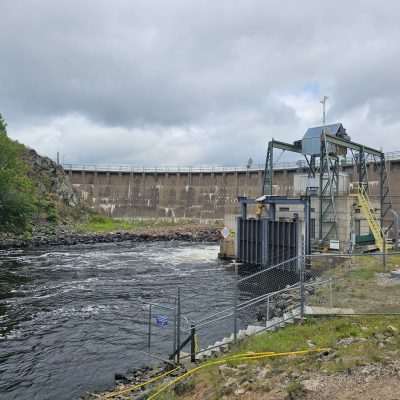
(66, 236)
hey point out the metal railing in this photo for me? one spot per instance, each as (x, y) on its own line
(92, 167)
(160, 169)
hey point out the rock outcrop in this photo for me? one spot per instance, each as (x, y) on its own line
(50, 178)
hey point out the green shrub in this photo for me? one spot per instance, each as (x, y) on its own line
(17, 193)
(295, 390)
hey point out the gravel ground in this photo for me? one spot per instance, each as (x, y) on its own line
(373, 382)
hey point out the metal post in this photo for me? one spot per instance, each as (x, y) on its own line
(302, 297)
(307, 221)
(149, 331)
(323, 102)
(178, 333)
(330, 293)
(175, 330)
(381, 190)
(384, 253)
(192, 343)
(267, 308)
(321, 185)
(382, 204)
(269, 170)
(382, 201)
(235, 299)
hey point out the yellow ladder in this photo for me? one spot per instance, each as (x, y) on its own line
(373, 223)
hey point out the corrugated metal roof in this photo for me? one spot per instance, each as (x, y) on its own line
(316, 131)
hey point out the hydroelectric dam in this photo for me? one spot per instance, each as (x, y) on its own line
(201, 193)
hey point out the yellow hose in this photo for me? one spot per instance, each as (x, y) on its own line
(245, 356)
(134, 387)
(156, 378)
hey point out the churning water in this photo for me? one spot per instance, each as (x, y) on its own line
(70, 317)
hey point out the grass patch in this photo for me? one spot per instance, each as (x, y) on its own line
(361, 337)
(354, 342)
(360, 283)
(100, 224)
(362, 274)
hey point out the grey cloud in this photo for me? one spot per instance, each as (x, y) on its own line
(214, 72)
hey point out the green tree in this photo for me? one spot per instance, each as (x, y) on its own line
(3, 125)
(17, 195)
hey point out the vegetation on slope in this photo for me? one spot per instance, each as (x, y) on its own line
(358, 283)
(364, 350)
(34, 191)
(18, 201)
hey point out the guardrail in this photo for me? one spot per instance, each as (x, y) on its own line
(161, 169)
(395, 155)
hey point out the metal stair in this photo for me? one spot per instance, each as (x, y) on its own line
(365, 206)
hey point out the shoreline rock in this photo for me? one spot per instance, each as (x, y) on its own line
(63, 238)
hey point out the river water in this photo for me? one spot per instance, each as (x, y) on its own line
(71, 317)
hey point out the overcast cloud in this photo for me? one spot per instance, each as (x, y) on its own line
(185, 82)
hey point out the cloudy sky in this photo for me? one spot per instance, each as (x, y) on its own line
(195, 82)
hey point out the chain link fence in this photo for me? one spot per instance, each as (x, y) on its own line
(255, 301)
(354, 284)
(269, 293)
(259, 301)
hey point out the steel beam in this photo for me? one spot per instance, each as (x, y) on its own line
(329, 181)
(351, 145)
(276, 144)
(269, 162)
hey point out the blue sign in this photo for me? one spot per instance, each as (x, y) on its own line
(161, 320)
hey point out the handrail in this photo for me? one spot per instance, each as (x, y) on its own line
(92, 167)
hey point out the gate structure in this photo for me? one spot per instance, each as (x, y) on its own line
(267, 241)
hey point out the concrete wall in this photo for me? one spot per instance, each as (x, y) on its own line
(205, 196)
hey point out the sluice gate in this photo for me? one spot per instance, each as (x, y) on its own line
(266, 242)
(267, 239)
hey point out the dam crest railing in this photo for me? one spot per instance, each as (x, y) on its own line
(126, 168)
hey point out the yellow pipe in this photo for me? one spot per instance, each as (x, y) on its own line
(246, 356)
(134, 387)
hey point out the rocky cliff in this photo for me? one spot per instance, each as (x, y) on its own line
(50, 180)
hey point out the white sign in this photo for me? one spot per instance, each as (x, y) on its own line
(334, 245)
(225, 232)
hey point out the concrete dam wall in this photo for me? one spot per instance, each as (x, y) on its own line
(204, 195)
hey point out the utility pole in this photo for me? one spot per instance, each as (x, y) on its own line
(323, 102)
